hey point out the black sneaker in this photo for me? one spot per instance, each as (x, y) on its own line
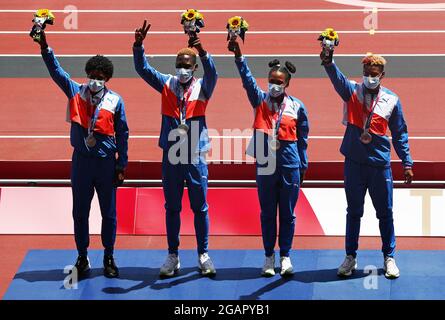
(82, 265)
(110, 268)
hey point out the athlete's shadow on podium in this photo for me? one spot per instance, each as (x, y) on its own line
(246, 273)
(145, 276)
(311, 276)
(149, 277)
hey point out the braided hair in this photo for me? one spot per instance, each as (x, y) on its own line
(288, 69)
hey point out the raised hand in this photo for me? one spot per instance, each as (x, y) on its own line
(326, 56)
(42, 41)
(141, 33)
(234, 47)
(195, 42)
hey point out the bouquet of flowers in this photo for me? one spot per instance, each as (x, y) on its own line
(236, 27)
(192, 20)
(42, 17)
(329, 40)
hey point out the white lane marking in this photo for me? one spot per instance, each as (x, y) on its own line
(260, 55)
(274, 32)
(401, 7)
(389, 5)
(212, 137)
(236, 182)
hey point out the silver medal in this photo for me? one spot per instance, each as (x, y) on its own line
(274, 144)
(183, 129)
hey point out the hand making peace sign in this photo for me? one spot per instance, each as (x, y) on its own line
(141, 33)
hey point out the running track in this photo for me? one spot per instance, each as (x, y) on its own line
(21, 115)
(398, 33)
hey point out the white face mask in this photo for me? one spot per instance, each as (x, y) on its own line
(371, 82)
(184, 75)
(275, 90)
(96, 85)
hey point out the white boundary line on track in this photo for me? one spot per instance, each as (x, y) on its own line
(274, 32)
(387, 5)
(25, 55)
(212, 137)
(128, 182)
(230, 10)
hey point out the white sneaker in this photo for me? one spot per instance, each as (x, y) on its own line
(347, 267)
(390, 267)
(206, 265)
(286, 266)
(170, 266)
(269, 266)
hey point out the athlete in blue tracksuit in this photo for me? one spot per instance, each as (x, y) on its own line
(369, 110)
(98, 130)
(278, 116)
(184, 102)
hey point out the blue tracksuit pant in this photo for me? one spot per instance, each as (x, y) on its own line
(89, 173)
(279, 189)
(378, 181)
(174, 178)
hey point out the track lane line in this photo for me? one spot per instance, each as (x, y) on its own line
(376, 31)
(26, 55)
(212, 137)
(364, 9)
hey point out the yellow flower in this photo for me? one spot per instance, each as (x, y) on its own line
(235, 22)
(238, 22)
(45, 13)
(330, 34)
(192, 14)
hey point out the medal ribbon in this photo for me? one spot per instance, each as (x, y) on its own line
(94, 119)
(183, 104)
(374, 102)
(96, 114)
(280, 115)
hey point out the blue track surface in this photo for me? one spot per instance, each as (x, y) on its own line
(41, 277)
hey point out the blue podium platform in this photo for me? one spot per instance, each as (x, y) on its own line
(41, 277)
